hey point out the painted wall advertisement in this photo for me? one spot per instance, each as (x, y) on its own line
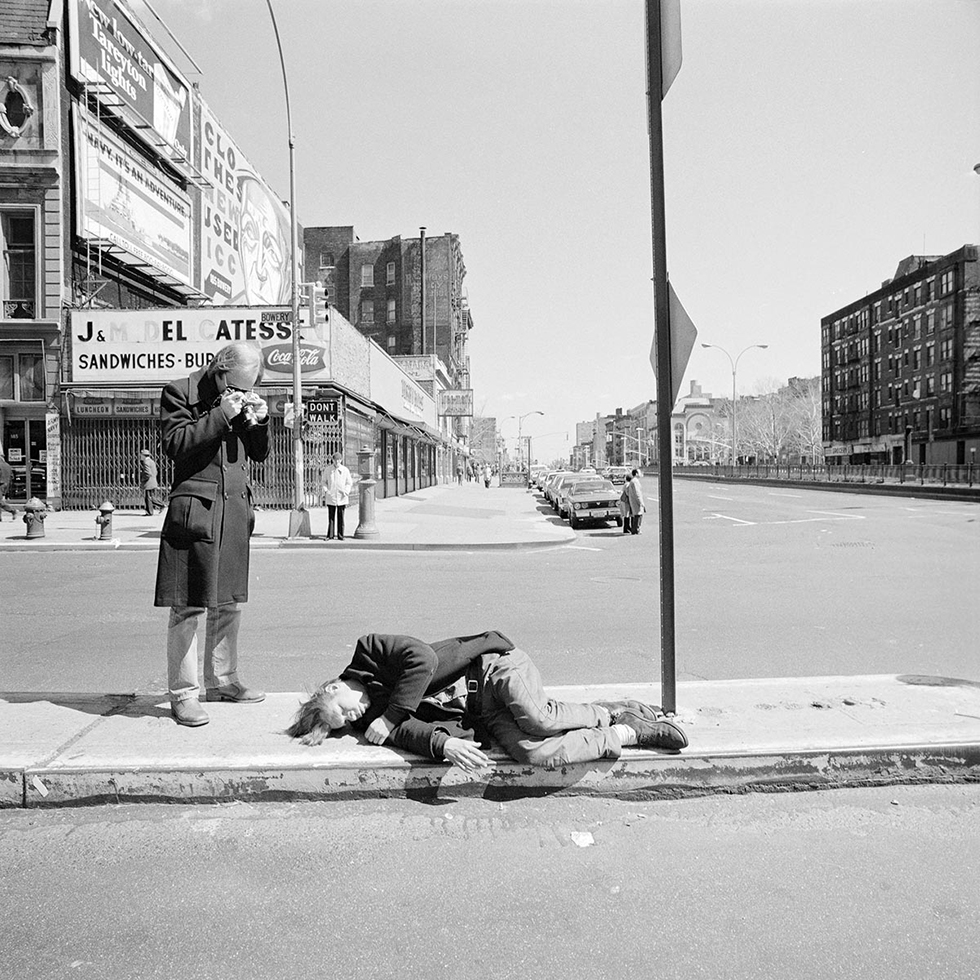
(121, 201)
(245, 228)
(455, 401)
(109, 48)
(143, 346)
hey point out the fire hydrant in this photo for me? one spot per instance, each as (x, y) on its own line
(104, 520)
(34, 513)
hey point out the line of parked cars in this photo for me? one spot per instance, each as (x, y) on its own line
(584, 496)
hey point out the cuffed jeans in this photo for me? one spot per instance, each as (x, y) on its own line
(538, 730)
(220, 649)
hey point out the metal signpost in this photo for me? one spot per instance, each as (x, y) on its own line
(663, 63)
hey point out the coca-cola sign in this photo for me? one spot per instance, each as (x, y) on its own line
(279, 358)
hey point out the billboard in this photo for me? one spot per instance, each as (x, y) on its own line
(135, 78)
(244, 227)
(118, 199)
(145, 346)
(455, 401)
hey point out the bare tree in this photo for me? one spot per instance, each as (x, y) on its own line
(782, 420)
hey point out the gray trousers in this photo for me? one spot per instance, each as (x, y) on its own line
(220, 649)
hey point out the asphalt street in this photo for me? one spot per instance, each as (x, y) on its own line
(770, 583)
(858, 884)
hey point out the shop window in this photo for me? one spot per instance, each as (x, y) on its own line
(367, 275)
(19, 285)
(22, 377)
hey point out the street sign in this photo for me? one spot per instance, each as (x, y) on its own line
(670, 43)
(683, 333)
(322, 409)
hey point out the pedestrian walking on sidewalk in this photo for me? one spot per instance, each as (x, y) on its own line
(213, 423)
(150, 484)
(423, 697)
(637, 507)
(337, 484)
(6, 476)
(487, 475)
(459, 473)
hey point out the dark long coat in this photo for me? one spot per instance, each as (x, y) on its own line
(204, 544)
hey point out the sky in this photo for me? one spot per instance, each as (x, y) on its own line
(809, 146)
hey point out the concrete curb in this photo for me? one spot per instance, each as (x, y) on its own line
(923, 492)
(637, 775)
(748, 735)
(286, 543)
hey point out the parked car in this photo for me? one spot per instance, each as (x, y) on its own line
(591, 500)
(616, 474)
(560, 489)
(549, 487)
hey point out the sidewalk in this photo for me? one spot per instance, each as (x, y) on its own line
(762, 734)
(440, 517)
(787, 734)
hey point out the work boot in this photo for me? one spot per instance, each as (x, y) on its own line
(189, 713)
(238, 693)
(648, 712)
(661, 734)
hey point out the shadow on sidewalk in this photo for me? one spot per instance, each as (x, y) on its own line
(101, 705)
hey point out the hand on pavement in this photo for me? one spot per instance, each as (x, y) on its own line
(465, 754)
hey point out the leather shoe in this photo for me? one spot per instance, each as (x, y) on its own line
(648, 712)
(234, 692)
(189, 712)
(661, 734)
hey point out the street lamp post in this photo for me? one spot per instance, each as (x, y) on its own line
(299, 518)
(520, 442)
(734, 364)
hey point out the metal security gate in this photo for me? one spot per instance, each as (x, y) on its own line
(100, 461)
(272, 480)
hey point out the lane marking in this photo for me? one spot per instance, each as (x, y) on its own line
(581, 547)
(847, 517)
(716, 497)
(775, 493)
(725, 517)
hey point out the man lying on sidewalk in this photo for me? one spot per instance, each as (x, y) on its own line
(402, 692)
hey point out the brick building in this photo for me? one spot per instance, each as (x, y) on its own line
(377, 286)
(901, 366)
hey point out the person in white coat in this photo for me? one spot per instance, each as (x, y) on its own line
(337, 484)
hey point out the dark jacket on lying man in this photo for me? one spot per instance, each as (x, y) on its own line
(419, 696)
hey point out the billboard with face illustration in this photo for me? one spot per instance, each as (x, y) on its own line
(244, 227)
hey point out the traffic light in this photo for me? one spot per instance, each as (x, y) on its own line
(317, 299)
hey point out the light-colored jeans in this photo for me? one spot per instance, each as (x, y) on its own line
(536, 729)
(220, 649)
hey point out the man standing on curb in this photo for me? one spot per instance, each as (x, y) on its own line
(148, 479)
(337, 484)
(213, 423)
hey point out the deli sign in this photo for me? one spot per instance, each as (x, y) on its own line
(141, 346)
